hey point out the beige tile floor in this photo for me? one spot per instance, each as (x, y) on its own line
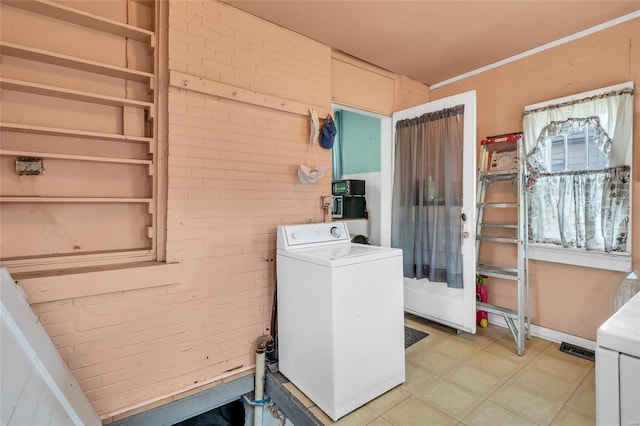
(480, 380)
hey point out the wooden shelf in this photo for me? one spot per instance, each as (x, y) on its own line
(148, 3)
(74, 95)
(75, 157)
(33, 54)
(54, 131)
(11, 199)
(79, 17)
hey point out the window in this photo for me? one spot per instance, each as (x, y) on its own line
(576, 149)
(578, 193)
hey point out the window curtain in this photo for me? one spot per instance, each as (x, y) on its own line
(336, 153)
(427, 195)
(586, 208)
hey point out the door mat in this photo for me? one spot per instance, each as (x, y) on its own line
(411, 336)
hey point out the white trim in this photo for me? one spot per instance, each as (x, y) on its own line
(573, 256)
(548, 334)
(550, 45)
(583, 95)
(23, 324)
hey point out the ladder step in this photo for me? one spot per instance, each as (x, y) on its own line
(498, 205)
(500, 225)
(497, 239)
(498, 310)
(504, 174)
(497, 271)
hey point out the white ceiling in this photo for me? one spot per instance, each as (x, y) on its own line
(433, 41)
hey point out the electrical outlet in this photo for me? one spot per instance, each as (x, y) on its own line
(29, 166)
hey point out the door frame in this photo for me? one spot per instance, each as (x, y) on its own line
(466, 306)
(386, 172)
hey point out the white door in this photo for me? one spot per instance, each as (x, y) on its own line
(454, 307)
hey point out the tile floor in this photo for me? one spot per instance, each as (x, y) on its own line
(480, 380)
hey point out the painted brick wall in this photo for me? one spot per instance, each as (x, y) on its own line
(220, 43)
(232, 179)
(232, 172)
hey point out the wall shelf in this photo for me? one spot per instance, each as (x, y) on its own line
(79, 17)
(133, 59)
(75, 157)
(70, 94)
(54, 131)
(33, 54)
(12, 199)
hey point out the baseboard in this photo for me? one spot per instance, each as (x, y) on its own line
(548, 334)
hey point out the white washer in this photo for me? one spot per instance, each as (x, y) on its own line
(340, 316)
(618, 367)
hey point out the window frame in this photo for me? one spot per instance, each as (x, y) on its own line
(615, 261)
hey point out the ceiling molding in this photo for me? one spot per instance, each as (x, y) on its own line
(547, 46)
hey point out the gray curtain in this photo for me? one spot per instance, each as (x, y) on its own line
(427, 195)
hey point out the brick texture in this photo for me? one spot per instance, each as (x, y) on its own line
(231, 180)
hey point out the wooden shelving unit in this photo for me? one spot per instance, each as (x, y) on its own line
(70, 94)
(79, 17)
(10, 199)
(54, 131)
(136, 114)
(75, 157)
(33, 54)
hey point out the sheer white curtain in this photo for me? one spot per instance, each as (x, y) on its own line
(613, 109)
(581, 208)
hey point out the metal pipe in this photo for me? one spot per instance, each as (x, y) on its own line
(265, 344)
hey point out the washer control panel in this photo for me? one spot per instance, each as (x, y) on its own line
(312, 235)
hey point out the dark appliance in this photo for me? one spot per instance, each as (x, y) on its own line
(350, 187)
(349, 207)
(348, 199)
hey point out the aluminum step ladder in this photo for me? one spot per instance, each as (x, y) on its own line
(502, 223)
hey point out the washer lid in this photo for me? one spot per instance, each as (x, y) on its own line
(621, 332)
(341, 254)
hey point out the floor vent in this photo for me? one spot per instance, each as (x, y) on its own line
(578, 351)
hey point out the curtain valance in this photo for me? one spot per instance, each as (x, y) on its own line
(614, 110)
